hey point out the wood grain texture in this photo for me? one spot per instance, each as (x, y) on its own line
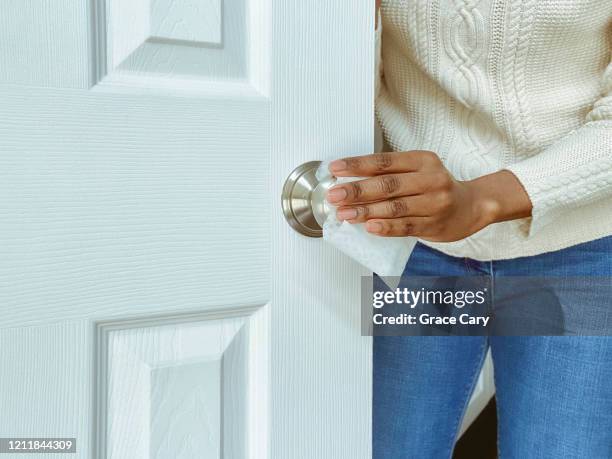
(186, 404)
(322, 93)
(45, 43)
(45, 384)
(114, 205)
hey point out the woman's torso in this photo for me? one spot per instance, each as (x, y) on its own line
(489, 83)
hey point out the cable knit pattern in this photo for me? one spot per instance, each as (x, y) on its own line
(465, 41)
(522, 85)
(519, 26)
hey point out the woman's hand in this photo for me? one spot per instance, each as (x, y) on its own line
(413, 194)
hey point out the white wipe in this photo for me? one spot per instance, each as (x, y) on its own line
(386, 256)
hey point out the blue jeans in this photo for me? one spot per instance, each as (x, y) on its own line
(554, 393)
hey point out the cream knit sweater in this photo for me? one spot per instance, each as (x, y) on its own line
(523, 85)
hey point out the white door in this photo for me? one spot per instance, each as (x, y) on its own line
(154, 303)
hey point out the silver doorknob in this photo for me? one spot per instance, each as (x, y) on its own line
(303, 200)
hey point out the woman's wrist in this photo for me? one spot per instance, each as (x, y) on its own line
(499, 197)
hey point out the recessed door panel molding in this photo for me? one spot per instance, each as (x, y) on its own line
(189, 21)
(213, 46)
(183, 387)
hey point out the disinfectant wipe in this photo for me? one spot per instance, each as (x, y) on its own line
(386, 256)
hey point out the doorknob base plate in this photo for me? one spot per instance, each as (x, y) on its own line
(303, 200)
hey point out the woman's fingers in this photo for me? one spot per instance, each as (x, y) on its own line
(379, 188)
(382, 163)
(405, 206)
(400, 227)
(372, 189)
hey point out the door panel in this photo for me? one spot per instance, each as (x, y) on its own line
(118, 205)
(183, 387)
(189, 46)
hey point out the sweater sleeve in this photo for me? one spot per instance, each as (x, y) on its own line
(574, 171)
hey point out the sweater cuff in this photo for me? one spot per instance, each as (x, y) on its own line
(571, 173)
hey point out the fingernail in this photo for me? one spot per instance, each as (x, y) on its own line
(346, 214)
(336, 194)
(337, 166)
(374, 227)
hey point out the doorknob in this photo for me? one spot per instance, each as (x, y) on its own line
(303, 199)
